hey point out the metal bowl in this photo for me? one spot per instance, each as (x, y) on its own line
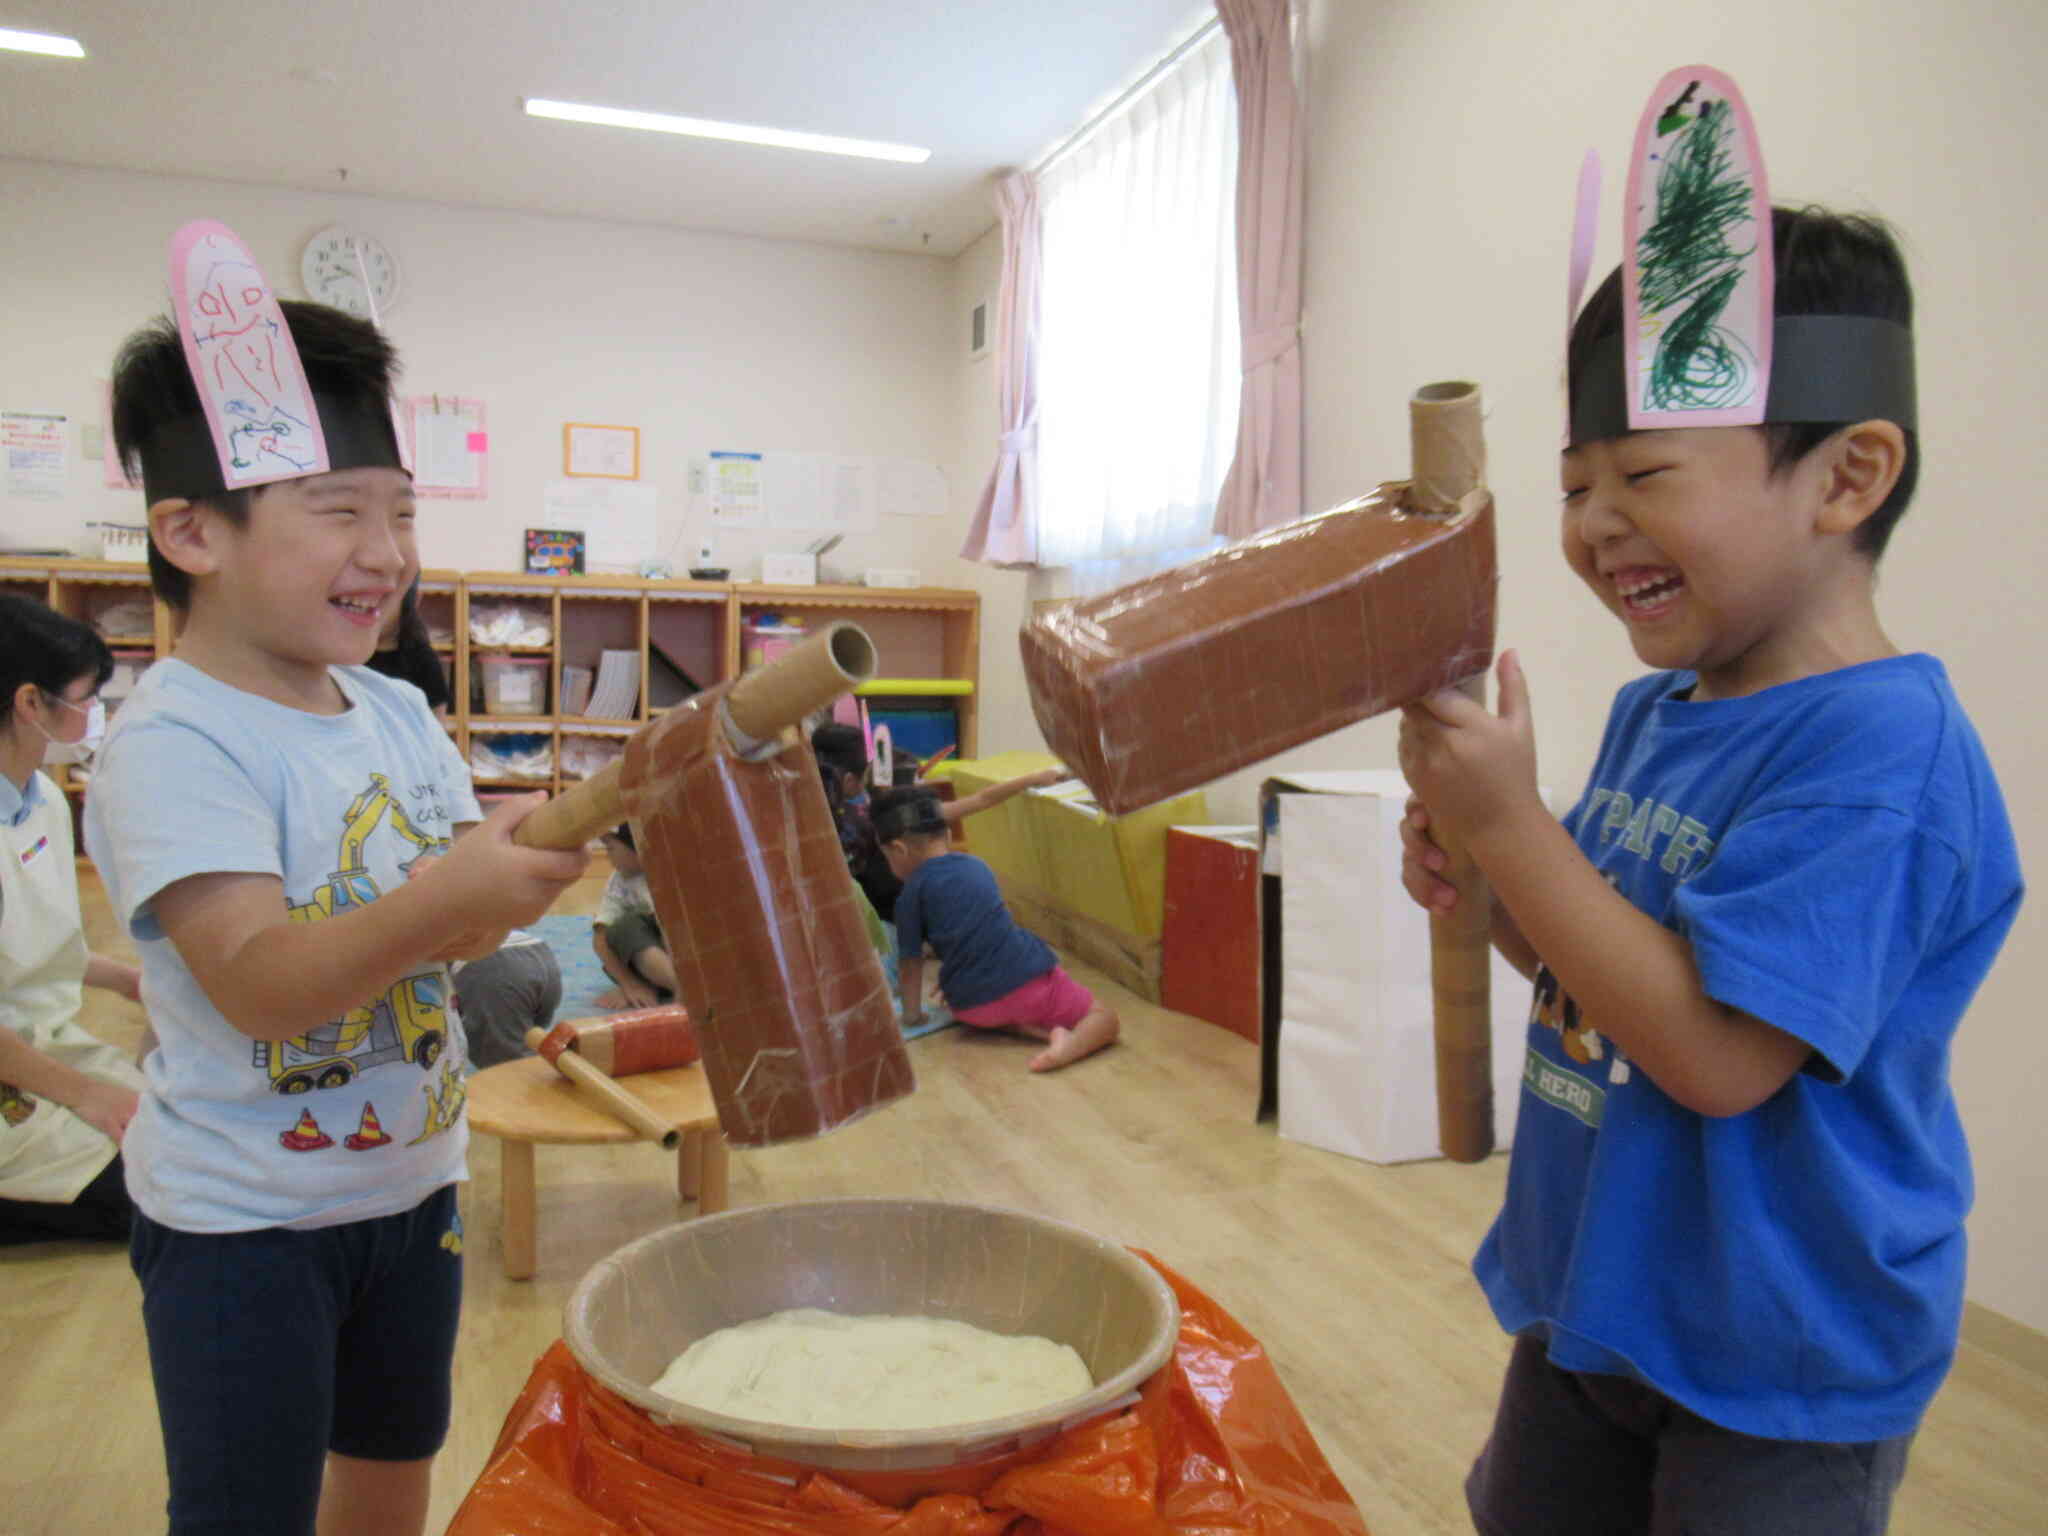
(1006, 1271)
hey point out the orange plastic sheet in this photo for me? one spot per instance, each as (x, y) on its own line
(1215, 1446)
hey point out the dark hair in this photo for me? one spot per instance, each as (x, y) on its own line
(907, 813)
(841, 747)
(41, 646)
(624, 833)
(153, 394)
(1825, 264)
(413, 659)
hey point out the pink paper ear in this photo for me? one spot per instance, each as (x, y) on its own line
(1697, 268)
(252, 387)
(1585, 227)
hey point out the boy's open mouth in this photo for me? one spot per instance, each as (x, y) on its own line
(361, 608)
(1645, 594)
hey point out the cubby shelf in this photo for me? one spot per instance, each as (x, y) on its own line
(919, 632)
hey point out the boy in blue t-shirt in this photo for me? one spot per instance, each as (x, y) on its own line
(992, 973)
(258, 804)
(1732, 1245)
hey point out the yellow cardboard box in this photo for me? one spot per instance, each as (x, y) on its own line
(1109, 869)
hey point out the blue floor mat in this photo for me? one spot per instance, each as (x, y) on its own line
(584, 980)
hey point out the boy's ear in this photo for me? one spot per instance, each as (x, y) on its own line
(1866, 460)
(185, 533)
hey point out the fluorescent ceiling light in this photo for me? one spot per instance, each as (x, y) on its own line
(41, 42)
(703, 128)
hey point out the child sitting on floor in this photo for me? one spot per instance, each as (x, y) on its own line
(625, 933)
(992, 973)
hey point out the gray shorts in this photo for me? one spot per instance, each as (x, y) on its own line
(1575, 1454)
(501, 996)
(632, 933)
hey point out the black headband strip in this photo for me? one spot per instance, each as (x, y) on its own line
(914, 816)
(178, 458)
(1824, 368)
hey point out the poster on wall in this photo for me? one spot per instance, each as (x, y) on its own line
(817, 490)
(450, 446)
(593, 450)
(616, 520)
(554, 552)
(735, 490)
(32, 443)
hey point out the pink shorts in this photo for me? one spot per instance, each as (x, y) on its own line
(1052, 1001)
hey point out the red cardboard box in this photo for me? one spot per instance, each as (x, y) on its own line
(1209, 964)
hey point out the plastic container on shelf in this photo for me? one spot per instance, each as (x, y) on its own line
(522, 755)
(498, 622)
(765, 636)
(515, 685)
(584, 755)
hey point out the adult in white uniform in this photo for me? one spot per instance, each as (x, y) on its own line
(65, 1097)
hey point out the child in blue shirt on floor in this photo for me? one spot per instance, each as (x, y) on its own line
(1732, 1248)
(257, 806)
(992, 973)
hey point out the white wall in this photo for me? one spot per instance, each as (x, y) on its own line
(702, 341)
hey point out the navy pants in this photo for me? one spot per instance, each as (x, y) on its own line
(272, 1348)
(1575, 1454)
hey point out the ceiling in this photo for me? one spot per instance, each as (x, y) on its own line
(421, 100)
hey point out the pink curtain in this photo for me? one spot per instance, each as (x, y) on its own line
(1264, 484)
(1005, 527)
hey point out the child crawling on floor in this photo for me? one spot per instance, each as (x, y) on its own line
(992, 973)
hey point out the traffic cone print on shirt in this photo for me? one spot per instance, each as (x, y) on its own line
(369, 1133)
(306, 1136)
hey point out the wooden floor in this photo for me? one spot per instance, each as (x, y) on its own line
(1354, 1277)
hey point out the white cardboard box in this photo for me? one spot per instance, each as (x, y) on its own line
(1349, 1055)
(790, 570)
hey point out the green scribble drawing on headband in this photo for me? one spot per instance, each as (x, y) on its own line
(1687, 269)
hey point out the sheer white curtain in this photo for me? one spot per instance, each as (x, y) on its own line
(1138, 360)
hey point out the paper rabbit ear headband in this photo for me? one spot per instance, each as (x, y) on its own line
(1701, 344)
(264, 421)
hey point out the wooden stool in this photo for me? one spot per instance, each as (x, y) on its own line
(527, 1101)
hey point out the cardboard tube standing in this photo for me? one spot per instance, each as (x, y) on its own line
(1448, 446)
(623, 1106)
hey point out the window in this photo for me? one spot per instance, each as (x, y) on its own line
(1138, 361)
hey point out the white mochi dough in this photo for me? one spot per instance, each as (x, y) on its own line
(810, 1369)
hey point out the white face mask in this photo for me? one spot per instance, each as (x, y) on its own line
(81, 750)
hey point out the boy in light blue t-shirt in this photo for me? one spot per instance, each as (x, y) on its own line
(1732, 1246)
(257, 807)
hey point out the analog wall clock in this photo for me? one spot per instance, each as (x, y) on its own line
(336, 260)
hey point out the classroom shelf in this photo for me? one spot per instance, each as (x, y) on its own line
(686, 633)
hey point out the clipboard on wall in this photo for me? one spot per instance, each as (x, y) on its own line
(450, 446)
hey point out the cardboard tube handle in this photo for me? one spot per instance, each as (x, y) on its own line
(1461, 986)
(1446, 445)
(627, 1108)
(576, 815)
